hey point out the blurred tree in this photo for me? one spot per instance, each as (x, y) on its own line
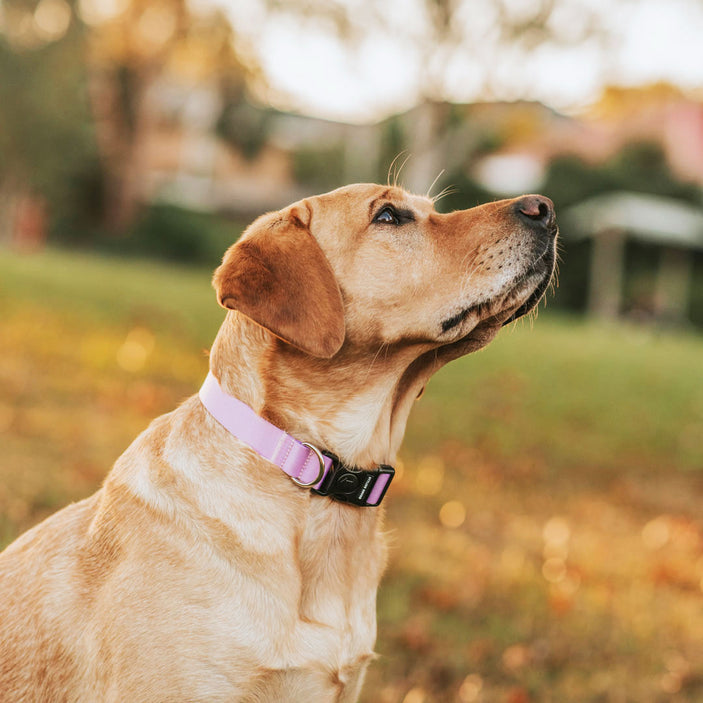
(82, 84)
(242, 124)
(392, 145)
(641, 167)
(141, 53)
(46, 142)
(479, 41)
(477, 48)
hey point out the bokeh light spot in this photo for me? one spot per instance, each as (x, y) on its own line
(430, 475)
(452, 514)
(656, 533)
(470, 688)
(135, 350)
(554, 570)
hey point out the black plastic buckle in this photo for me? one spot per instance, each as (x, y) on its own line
(353, 485)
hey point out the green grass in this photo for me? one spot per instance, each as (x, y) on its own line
(612, 392)
(546, 521)
(169, 297)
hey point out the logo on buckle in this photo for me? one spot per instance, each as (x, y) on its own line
(346, 482)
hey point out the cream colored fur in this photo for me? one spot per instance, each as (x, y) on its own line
(199, 571)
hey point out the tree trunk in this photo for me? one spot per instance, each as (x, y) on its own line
(122, 132)
(23, 217)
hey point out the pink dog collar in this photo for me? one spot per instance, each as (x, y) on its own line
(306, 465)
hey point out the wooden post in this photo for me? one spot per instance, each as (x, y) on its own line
(605, 284)
(673, 284)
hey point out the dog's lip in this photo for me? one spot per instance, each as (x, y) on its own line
(457, 319)
(547, 258)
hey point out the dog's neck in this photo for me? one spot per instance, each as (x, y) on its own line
(355, 405)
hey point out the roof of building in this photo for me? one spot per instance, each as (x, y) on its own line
(648, 218)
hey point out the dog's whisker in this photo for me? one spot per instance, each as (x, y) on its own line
(397, 170)
(467, 279)
(383, 346)
(432, 185)
(392, 169)
(402, 166)
(449, 190)
(466, 257)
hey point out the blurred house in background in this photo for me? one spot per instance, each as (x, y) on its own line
(673, 227)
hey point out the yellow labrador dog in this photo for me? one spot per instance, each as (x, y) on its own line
(235, 549)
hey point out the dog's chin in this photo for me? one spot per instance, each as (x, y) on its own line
(488, 317)
(523, 296)
(530, 303)
(541, 271)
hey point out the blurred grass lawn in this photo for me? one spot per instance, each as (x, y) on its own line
(546, 522)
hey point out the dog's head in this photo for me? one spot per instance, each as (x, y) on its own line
(369, 265)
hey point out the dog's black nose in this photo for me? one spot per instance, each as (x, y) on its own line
(536, 210)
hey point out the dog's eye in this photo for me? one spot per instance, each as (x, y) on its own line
(387, 216)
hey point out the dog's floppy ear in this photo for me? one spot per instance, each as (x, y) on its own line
(278, 276)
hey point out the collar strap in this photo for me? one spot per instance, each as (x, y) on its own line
(307, 466)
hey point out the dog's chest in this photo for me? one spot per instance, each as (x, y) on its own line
(310, 634)
(326, 653)
(284, 627)
(340, 559)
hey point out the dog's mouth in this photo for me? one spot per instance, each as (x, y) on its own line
(542, 267)
(545, 262)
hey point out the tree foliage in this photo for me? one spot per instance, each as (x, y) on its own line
(46, 140)
(639, 166)
(77, 96)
